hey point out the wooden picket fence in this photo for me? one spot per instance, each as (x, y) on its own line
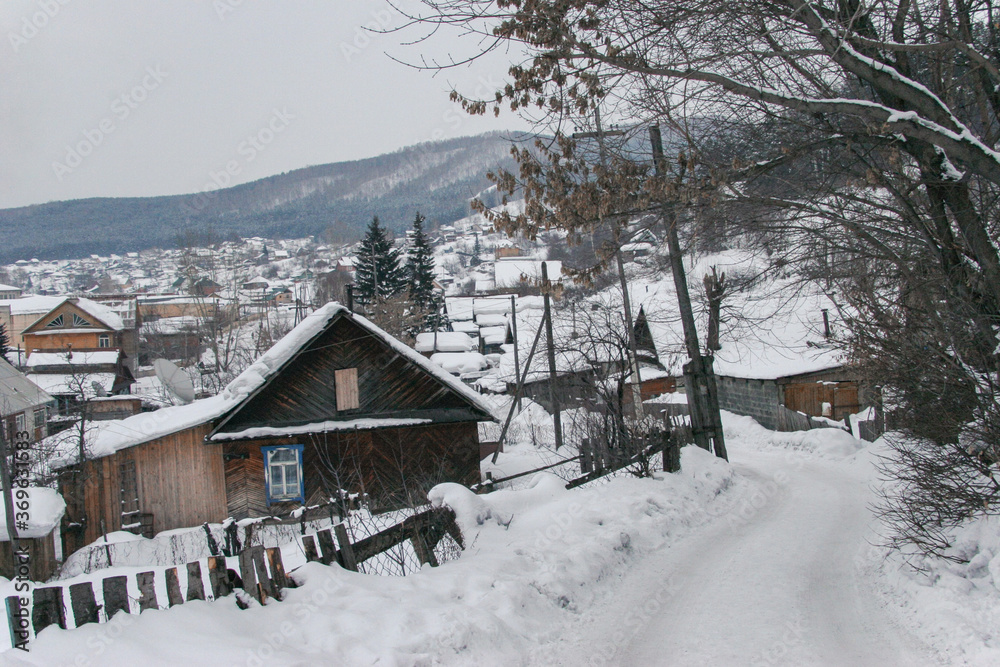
(261, 575)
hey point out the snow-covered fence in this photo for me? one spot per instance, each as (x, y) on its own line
(399, 548)
(75, 603)
(178, 547)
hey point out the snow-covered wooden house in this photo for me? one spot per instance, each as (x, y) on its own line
(336, 405)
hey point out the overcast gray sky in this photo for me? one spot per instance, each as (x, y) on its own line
(126, 98)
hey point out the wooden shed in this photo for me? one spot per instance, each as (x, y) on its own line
(337, 406)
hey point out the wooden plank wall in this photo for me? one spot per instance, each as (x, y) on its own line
(393, 466)
(808, 397)
(306, 392)
(42, 553)
(180, 478)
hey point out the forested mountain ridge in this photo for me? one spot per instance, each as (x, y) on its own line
(436, 178)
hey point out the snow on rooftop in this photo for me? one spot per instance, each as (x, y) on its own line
(70, 383)
(113, 435)
(320, 427)
(101, 312)
(493, 335)
(491, 320)
(444, 341)
(459, 363)
(31, 305)
(512, 271)
(102, 357)
(47, 509)
(466, 326)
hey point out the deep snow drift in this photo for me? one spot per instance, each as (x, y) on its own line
(766, 561)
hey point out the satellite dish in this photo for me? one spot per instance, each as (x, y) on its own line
(174, 380)
(99, 389)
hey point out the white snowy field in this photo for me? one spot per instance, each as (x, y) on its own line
(766, 561)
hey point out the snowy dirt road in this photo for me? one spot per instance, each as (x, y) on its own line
(776, 579)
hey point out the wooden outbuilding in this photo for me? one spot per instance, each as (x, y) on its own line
(336, 407)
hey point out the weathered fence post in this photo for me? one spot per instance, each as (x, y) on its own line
(85, 610)
(147, 591)
(346, 550)
(248, 575)
(265, 585)
(277, 568)
(195, 587)
(18, 621)
(326, 546)
(47, 608)
(586, 457)
(425, 553)
(218, 576)
(174, 596)
(309, 546)
(115, 591)
(671, 453)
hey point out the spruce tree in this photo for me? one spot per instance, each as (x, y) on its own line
(4, 341)
(421, 267)
(477, 249)
(378, 274)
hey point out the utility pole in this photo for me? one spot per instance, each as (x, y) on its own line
(702, 393)
(599, 134)
(513, 330)
(553, 392)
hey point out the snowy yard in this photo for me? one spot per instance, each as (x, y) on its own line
(766, 561)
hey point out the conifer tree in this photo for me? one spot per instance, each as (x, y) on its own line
(378, 275)
(4, 341)
(421, 267)
(477, 250)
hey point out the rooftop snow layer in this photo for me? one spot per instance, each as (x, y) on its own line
(102, 357)
(444, 341)
(18, 392)
(47, 508)
(110, 436)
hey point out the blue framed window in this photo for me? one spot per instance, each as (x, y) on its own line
(283, 473)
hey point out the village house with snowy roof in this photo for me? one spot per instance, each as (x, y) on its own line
(76, 350)
(337, 405)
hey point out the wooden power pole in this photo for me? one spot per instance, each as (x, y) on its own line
(699, 379)
(599, 134)
(553, 391)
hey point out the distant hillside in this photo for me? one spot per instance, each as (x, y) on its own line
(436, 178)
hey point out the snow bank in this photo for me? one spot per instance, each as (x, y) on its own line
(828, 442)
(518, 587)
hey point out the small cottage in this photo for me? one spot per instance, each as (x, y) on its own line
(337, 406)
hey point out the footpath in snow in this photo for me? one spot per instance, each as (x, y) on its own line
(766, 561)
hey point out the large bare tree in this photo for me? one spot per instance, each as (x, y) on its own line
(857, 142)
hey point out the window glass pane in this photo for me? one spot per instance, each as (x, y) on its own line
(283, 455)
(277, 480)
(284, 474)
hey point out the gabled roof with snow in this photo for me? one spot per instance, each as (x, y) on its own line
(110, 436)
(101, 314)
(17, 392)
(31, 305)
